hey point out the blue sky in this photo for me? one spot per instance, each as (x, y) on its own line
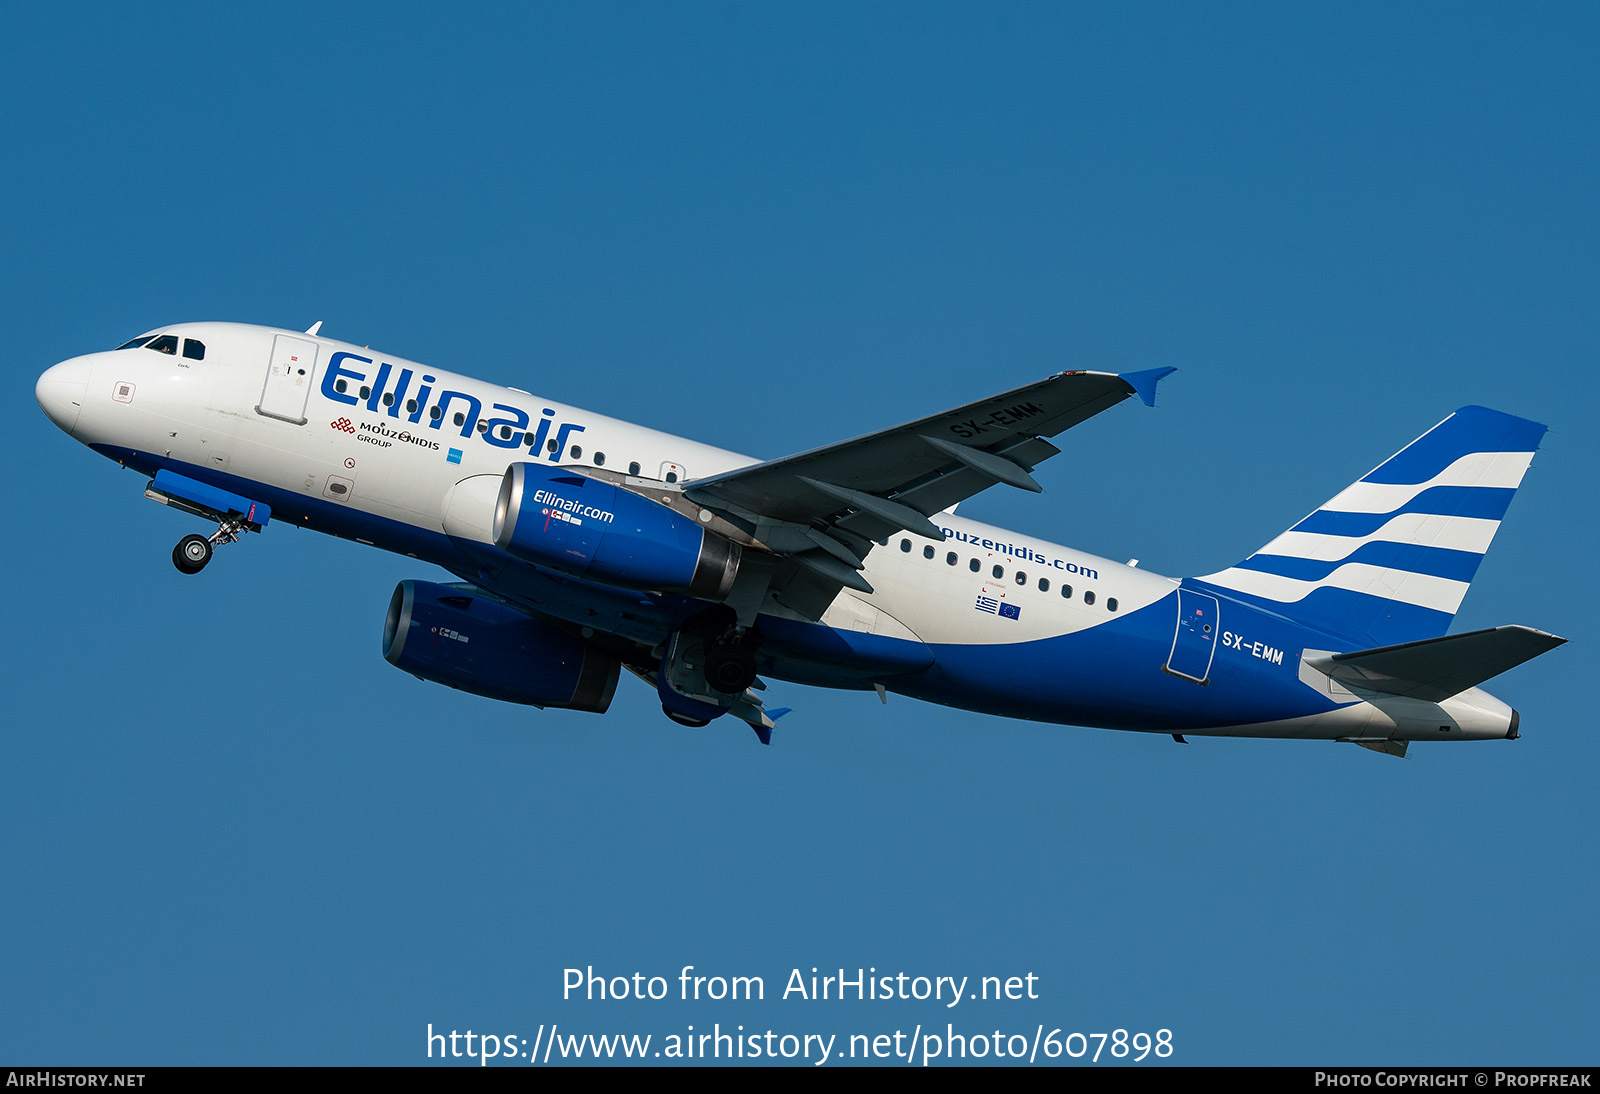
(233, 834)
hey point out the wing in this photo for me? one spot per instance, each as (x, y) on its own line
(823, 508)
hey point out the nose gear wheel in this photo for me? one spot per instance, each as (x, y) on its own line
(193, 551)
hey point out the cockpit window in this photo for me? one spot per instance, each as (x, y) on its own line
(136, 343)
(167, 343)
(194, 349)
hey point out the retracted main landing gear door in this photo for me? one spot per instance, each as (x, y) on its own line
(1194, 643)
(294, 362)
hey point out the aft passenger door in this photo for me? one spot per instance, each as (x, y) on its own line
(1194, 641)
(289, 374)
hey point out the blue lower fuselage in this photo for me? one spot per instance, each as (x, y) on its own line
(1112, 675)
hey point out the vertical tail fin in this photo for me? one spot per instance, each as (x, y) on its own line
(1389, 558)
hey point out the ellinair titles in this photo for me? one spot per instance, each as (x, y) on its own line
(572, 512)
(586, 550)
(341, 383)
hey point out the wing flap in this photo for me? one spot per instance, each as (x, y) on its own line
(960, 481)
(894, 513)
(989, 464)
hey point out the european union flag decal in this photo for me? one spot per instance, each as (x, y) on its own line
(454, 456)
(1011, 611)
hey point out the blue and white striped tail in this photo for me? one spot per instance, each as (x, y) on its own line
(1390, 557)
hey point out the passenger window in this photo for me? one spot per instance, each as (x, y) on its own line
(339, 386)
(460, 418)
(411, 405)
(905, 545)
(551, 447)
(388, 398)
(136, 343)
(365, 391)
(576, 451)
(973, 566)
(927, 552)
(1066, 592)
(167, 343)
(599, 459)
(633, 468)
(436, 412)
(1022, 578)
(483, 427)
(194, 350)
(505, 433)
(950, 559)
(999, 572)
(1111, 604)
(1088, 597)
(1044, 584)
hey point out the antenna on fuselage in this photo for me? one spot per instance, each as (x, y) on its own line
(315, 327)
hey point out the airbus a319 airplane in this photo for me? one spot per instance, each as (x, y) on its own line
(586, 546)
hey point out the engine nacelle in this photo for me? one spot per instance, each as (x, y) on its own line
(591, 528)
(454, 635)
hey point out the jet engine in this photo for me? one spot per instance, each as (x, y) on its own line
(591, 528)
(456, 636)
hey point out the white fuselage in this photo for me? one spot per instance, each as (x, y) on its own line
(391, 452)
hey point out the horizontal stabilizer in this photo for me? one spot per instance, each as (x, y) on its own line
(1381, 745)
(1436, 668)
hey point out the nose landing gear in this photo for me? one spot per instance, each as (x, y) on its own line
(234, 515)
(193, 552)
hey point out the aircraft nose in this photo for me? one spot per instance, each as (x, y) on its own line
(61, 391)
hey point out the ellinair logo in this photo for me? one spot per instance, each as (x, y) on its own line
(344, 425)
